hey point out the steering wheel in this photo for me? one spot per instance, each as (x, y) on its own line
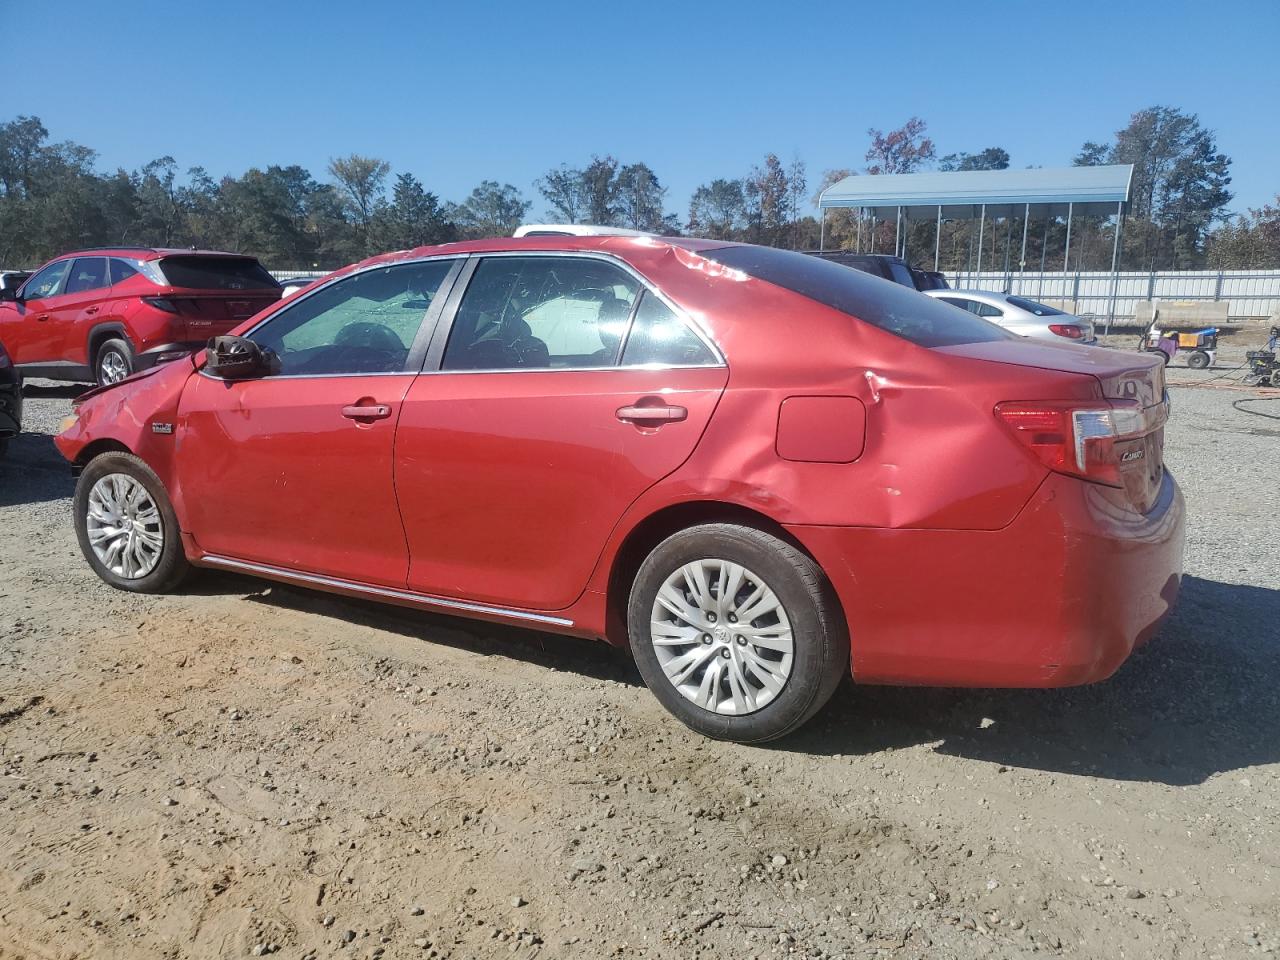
(374, 336)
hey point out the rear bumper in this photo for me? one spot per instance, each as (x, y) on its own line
(167, 352)
(1061, 596)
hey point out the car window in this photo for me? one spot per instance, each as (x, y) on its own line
(47, 282)
(986, 309)
(88, 273)
(365, 323)
(1032, 306)
(556, 312)
(902, 274)
(122, 270)
(889, 306)
(960, 302)
(659, 336)
(196, 272)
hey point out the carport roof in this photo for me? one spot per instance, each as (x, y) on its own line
(1090, 190)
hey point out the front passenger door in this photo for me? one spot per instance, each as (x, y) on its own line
(294, 470)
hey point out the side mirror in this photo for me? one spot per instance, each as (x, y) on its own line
(238, 358)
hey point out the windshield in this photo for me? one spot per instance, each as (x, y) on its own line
(1031, 306)
(890, 306)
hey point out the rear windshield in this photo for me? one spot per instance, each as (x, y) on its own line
(889, 306)
(1031, 306)
(217, 273)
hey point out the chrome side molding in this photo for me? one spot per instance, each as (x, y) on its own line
(407, 596)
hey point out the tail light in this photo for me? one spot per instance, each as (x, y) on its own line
(1068, 330)
(1081, 439)
(161, 303)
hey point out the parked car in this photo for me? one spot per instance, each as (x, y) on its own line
(575, 230)
(291, 286)
(1026, 318)
(99, 315)
(929, 279)
(13, 279)
(755, 468)
(882, 265)
(10, 401)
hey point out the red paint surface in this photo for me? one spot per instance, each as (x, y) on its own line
(957, 556)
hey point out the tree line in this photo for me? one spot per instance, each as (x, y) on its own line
(53, 198)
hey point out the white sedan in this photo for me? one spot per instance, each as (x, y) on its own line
(1019, 315)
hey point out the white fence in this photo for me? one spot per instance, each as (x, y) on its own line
(1249, 294)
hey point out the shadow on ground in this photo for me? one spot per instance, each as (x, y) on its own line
(54, 391)
(1202, 698)
(33, 471)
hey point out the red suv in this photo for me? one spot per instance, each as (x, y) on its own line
(755, 468)
(102, 314)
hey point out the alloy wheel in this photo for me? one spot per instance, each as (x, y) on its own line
(124, 526)
(722, 637)
(112, 368)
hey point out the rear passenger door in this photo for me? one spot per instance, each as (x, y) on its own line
(562, 390)
(79, 306)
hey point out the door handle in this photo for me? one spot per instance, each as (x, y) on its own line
(370, 411)
(92, 310)
(653, 415)
(42, 318)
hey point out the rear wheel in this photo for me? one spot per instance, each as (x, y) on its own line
(113, 362)
(1198, 360)
(736, 632)
(126, 526)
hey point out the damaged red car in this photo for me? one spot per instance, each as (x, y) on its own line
(758, 470)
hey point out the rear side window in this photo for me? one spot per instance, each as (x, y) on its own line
(217, 273)
(122, 270)
(659, 336)
(1039, 309)
(88, 273)
(889, 306)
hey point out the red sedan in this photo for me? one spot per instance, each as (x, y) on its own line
(755, 468)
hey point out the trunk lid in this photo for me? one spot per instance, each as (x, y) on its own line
(1134, 381)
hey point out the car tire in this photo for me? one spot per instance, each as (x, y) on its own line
(4, 446)
(1199, 360)
(113, 362)
(748, 687)
(142, 555)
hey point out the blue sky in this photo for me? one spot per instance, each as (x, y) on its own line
(463, 91)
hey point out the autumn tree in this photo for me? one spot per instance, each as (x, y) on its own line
(904, 150)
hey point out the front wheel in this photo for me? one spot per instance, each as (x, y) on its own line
(126, 526)
(736, 632)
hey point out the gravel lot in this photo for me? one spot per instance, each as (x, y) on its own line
(245, 768)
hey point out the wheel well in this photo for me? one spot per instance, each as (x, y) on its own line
(97, 448)
(100, 335)
(655, 528)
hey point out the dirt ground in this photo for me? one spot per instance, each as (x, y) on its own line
(244, 769)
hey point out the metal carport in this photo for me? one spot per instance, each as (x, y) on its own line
(982, 194)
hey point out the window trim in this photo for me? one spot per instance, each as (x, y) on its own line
(421, 340)
(432, 363)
